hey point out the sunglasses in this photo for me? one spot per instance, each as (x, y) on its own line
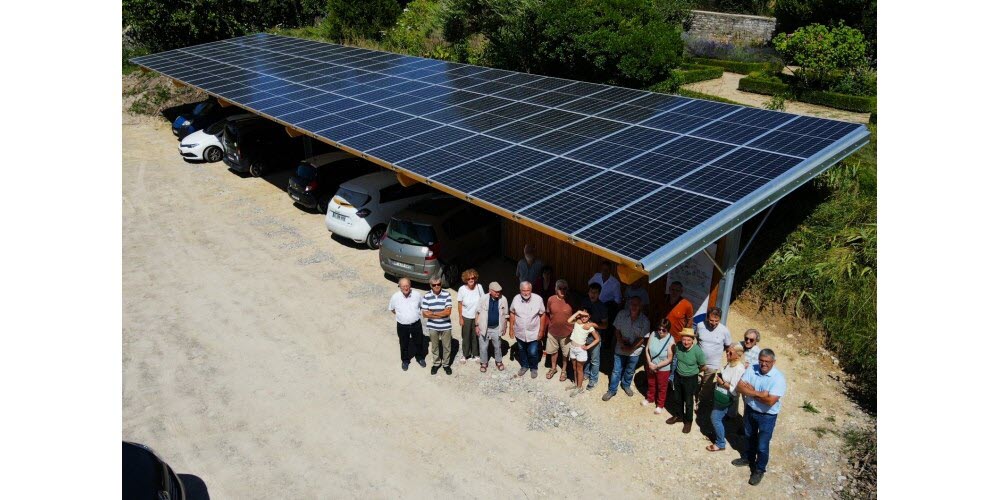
(748, 339)
(435, 285)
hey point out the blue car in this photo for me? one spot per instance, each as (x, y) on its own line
(203, 115)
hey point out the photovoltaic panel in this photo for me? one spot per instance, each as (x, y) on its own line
(668, 173)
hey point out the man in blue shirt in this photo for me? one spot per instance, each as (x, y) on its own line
(762, 387)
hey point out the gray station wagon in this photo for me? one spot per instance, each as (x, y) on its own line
(438, 237)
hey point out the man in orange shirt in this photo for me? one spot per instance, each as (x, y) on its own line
(680, 312)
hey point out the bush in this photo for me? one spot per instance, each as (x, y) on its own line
(158, 25)
(752, 7)
(819, 51)
(348, 19)
(691, 73)
(743, 68)
(623, 42)
(861, 81)
(859, 14)
(732, 49)
(773, 85)
(418, 30)
(707, 97)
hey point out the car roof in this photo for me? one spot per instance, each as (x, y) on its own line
(327, 158)
(372, 182)
(433, 210)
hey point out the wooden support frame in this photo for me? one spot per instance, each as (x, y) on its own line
(223, 103)
(292, 132)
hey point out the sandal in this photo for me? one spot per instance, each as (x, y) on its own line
(500, 366)
(562, 377)
(712, 447)
(482, 368)
(550, 374)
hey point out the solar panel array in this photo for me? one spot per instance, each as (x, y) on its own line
(626, 170)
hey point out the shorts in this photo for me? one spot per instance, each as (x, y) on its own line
(578, 353)
(554, 345)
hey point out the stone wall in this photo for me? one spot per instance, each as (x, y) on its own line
(721, 26)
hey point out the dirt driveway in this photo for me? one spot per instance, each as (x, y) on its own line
(258, 356)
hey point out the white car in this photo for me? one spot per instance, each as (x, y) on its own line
(205, 144)
(362, 207)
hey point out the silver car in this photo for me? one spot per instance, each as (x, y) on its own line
(438, 237)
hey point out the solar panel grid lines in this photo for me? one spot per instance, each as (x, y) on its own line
(301, 82)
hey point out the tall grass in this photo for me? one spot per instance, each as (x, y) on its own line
(826, 268)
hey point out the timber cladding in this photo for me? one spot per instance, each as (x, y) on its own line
(571, 263)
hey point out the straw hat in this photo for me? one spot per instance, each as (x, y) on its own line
(687, 332)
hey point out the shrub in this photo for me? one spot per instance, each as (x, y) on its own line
(158, 25)
(418, 30)
(819, 50)
(753, 7)
(743, 68)
(732, 48)
(760, 83)
(347, 19)
(624, 42)
(860, 81)
(691, 73)
(708, 97)
(859, 14)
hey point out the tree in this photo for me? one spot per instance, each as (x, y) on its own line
(348, 19)
(158, 25)
(820, 51)
(858, 14)
(625, 42)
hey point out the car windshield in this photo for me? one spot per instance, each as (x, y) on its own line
(306, 172)
(203, 108)
(216, 128)
(353, 198)
(411, 233)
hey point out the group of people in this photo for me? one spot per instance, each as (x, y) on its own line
(686, 363)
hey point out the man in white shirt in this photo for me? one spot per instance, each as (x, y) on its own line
(713, 338)
(526, 324)
(406, 306)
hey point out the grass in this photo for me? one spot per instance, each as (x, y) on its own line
(861, 448)
(808, 406)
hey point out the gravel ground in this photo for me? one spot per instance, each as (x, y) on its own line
(258, 355)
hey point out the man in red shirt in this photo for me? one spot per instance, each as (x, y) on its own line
(680, 312)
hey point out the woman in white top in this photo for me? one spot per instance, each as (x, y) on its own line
(578, 346)
(725, 390)
(469, 296)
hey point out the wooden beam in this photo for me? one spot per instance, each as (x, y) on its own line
(223, 103)
(176, 83)
(292, 132)
(145, 69)
(629, 275)
(405, 180)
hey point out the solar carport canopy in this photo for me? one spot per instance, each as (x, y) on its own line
(646, 179)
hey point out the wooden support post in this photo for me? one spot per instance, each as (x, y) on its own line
(223, 103)
(292, 132)
(628, 275)
(176, 83)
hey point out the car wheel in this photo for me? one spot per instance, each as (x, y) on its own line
(321, 207)
(213, 154)
(374, 239)
(256, 169)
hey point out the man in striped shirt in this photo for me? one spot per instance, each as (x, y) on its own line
(436, 307)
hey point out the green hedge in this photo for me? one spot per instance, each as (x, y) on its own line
(771, 85)
(743, 68)
(691, 73)
(708, 97)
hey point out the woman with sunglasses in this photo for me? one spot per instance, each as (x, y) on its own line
(725, 393)
(659, 356)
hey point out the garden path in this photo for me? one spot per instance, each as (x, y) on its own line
(727, 87)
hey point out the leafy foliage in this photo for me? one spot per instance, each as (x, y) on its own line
(753, 7)
(350, 19)
(625, 42)
(821, 51)
(418, 31)
(158, 25)
(858, 14)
